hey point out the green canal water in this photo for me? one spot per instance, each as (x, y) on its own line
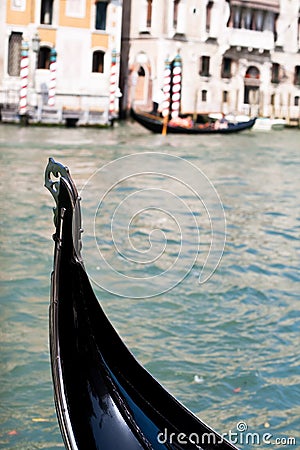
(227, 348)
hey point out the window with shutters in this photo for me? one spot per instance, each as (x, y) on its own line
(14, 54)
(204, 66)
(275, 73)
(46, 12)
(101, 15)
(226, 68)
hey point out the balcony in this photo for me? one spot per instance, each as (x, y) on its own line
(239, 37)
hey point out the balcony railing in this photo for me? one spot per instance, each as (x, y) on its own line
(250, 38)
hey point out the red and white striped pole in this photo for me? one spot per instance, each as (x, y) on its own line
(176, 86)
(24, 71)
(52, 83)
(166, 91)
(113, 83)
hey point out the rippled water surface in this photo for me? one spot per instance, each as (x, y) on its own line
(229, 348)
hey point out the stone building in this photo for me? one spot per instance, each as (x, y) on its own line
(81, 35)
(240, 56)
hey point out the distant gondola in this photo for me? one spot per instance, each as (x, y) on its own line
(155, 124)
(104, 398)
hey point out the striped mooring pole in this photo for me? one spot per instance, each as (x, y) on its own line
(52, 83)
(113, 83)
(24, 71)
(176, 86)
(166, 91)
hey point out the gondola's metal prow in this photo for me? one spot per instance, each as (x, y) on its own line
(57, 170)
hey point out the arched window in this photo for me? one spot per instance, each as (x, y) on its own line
(101, 13)
(204, 95)
(272, 100)
(252, 83)
(246, 18)
(98, 61)
(296, 101)
(236, 17)
(141, 72)
(225, 96)
(259, 20)
(44, 58)
(142, 84)
(14, 54)
(252, 72)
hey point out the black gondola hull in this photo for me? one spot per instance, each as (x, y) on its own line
(104, 398)
(155, 125)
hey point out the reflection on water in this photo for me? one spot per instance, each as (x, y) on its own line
(238, 333)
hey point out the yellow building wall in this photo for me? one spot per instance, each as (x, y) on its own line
(32, 18)
(14, 17)
(100, 40)
(47, 35)
(66, 21)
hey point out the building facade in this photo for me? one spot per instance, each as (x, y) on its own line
(239, 56)
(80, 36)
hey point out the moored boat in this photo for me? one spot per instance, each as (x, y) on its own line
(155, 124)
(268, 124)
(104, 398)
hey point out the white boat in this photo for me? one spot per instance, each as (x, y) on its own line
(267, 124)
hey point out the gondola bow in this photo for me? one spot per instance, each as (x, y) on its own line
(104, 398)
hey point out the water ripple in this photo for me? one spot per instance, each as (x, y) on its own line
(238, 334)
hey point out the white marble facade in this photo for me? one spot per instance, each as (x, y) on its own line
(239, 56)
